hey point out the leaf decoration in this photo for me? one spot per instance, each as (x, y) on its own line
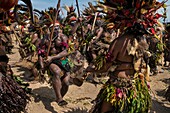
(100, 61)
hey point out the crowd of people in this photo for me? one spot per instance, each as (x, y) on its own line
(126, 35)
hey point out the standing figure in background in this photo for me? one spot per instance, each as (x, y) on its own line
(153, 59)
(167, 48)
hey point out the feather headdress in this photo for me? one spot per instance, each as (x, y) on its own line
(128, 13)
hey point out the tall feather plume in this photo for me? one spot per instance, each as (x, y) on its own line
(67, 8)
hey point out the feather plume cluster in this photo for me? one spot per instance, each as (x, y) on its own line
(128, 13)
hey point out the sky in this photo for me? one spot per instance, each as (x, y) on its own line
(168, 10)
(45, 4)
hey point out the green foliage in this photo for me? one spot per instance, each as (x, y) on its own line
(99, 61)
(89, 37)
(67, 30)
(160, 47)
(135, 98)
(23, 84)
(31, 46)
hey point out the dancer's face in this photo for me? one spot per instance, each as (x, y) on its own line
(56, 29)
(72, 23)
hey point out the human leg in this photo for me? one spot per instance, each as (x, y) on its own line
(65, 84)
(56, 82)
(106, 107)
(34, 71)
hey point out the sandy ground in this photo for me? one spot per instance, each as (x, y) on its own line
(79, 98)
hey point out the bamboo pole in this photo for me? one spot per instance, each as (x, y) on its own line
(78, 10)
(94, 21)
(52, 32)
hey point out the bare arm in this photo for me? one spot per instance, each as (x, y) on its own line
(34, 38)
(102, 70)
(41, 61)
(99, 33)
(111, 57)
(63, 53)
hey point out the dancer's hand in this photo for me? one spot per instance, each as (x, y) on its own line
(49, 60)
(89, 69)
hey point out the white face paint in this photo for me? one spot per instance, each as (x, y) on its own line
(56, 28)
(159, 32)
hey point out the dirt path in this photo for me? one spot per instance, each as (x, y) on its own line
(79, 98)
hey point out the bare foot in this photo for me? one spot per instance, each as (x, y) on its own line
(62, 103)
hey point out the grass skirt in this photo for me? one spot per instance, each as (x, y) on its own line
(126, 96)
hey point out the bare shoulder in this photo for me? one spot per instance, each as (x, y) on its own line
(125, 37)
(119, 42)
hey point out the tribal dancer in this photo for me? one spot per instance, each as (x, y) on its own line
(127, 90)
(58, 64)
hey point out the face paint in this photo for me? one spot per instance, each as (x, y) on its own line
(56, 29)
(98, 22)
(72, 23)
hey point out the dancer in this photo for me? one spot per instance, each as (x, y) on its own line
(127, 89)
(58, 65)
